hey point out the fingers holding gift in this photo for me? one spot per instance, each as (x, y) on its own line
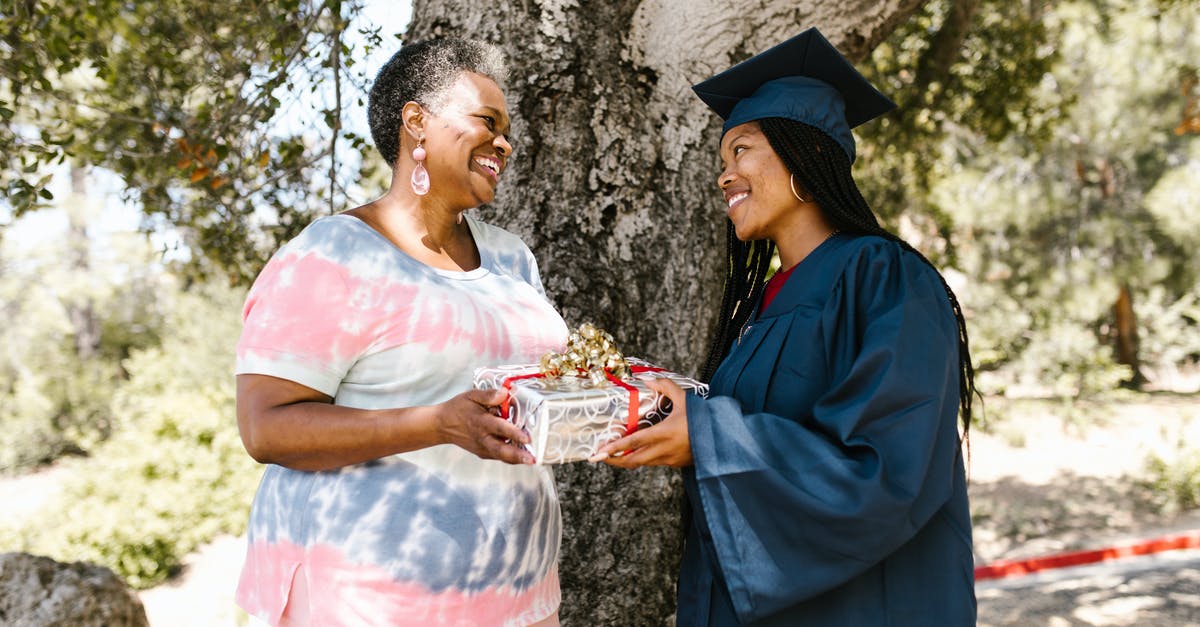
(672, 391)
(490, 399)
(664, 444)
(469, 421)
(617, 452)
(505, 450)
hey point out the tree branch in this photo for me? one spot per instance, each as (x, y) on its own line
(945, 48)
(335, 64)
(268, 85)
(313, 161)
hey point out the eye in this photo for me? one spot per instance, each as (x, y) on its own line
(489, 121)
(738, 150)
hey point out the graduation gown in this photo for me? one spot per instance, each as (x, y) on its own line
(828, 485)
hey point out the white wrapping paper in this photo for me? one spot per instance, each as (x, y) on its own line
(569, 418)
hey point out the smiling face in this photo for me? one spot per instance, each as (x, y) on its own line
(466, 142)
(756, 185)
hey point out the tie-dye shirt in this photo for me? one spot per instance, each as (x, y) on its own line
(432, 537)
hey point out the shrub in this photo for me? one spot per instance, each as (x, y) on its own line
(174, 474)
(61, 361)
(1175, 481)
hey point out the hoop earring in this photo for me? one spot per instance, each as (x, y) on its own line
(420, 177)
(792, 184)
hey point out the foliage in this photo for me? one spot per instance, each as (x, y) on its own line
(196, 107)
(1054, 180)
(1172, 328)
(176, 474)
(53, 400)
(1175, 479)
(964, 74)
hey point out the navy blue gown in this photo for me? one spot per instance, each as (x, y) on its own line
(828, 485)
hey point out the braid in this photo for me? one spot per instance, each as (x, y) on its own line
(748, 265)
(823, 169)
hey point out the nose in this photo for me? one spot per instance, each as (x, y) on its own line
(503, 146)
(724, 179)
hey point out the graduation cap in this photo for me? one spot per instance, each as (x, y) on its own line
(803, 79)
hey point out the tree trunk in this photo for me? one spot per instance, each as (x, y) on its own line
(80, 308)
(1127, 336)
(613, 187)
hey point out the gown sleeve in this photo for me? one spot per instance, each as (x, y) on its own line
(794, 506)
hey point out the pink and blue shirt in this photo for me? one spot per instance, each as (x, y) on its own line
(431, 537)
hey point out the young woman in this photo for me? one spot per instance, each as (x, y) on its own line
(824, 472)
(381, 503)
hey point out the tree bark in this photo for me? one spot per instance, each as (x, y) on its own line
(1126, 336)
(613, 187)
(80, 306)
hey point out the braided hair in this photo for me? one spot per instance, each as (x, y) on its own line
(744, 282)
(823, 169)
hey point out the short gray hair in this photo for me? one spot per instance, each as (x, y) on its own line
(423, 72)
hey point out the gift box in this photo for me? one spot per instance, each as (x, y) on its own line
(569, 417)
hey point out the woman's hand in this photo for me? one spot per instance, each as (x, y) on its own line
(664, 444)
(471, 421)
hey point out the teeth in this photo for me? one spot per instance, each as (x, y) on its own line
(736, 197)
(490, 164)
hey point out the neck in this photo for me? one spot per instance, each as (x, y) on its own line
(422, 227)
(422, 216)
(808, 231)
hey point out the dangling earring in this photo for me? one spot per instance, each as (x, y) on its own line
(420, 178)
(792, 184)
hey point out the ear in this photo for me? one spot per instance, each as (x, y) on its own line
(414, 117)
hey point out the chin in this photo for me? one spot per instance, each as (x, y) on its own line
(742, 235)
(485, 194)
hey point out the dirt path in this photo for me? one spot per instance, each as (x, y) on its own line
(1041, 483)
(24, 495)
(202, 594)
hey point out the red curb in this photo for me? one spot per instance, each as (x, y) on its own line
(1015, 568)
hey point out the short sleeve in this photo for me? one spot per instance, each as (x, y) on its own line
(535, 279)
(300, 322)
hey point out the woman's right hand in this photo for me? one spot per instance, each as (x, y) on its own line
(667, 443)
(471, 421)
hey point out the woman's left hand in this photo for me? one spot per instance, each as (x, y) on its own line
(664, 444)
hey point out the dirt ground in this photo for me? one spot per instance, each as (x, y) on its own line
(1043, 480)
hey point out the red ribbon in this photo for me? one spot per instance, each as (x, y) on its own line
(631, 423)
(508, 387)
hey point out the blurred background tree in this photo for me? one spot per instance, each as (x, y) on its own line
(76, 307)
(1046, 153)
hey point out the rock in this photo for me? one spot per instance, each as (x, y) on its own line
(37, 591)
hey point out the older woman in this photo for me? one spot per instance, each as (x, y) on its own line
(383, 502)
(824, 472)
